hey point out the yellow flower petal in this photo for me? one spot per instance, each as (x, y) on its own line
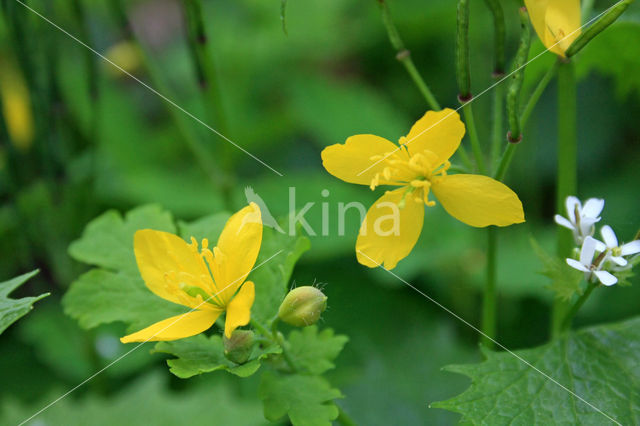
(177, 327)
(165, 261)
(352, 161)
(389, 232)
(237, 250)
(439, 132)
(478, 200)
(555, 20)
(239, 309)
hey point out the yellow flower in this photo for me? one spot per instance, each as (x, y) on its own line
(557, 22)
(209, 282)
(16, 105)
(418, 166)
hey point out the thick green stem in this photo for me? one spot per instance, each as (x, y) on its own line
(489, 317)
(567, 167)
(566, 323)
(473, 137)
(404, 56)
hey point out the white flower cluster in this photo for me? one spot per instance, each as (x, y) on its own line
(610, 257)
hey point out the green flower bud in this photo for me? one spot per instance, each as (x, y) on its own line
(238, 348)
(303, 306)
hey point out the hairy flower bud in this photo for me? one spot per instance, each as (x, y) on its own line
(238, 347)
(302, 306)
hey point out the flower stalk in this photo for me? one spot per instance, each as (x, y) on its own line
(566, 323)
(404, 56)
(498, 36)
(515, 86)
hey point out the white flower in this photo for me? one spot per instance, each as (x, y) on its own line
(587, 266)
(581, 219)
(614, 251)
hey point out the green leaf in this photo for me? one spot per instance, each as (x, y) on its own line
(307, 400)
(100, 297)
(565, 281)
(313, 351)
(209, 227)
(278, 255)
(201, 354)
(599, 364)
(117, 292)
(11, 310)
(107, 241)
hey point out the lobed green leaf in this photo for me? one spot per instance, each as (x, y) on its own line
(313, 351)
(307, 400)
(12, 310)
(201, 354)
(598, 364)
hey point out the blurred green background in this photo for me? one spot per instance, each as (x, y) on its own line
(105, 141)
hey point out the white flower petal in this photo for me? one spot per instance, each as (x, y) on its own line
(562, 221)
(577, 265)
(606, 278)
(571, 203)
(593, 207)
(588, 250)
(618, 260)
(600, 246)
(630, 248)
(609, 236)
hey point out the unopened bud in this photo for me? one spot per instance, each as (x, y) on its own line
(238, 347)
(303, 306)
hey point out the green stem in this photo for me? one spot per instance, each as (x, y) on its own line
(473, 137)
(567, 167)
(515, 86)
(507, 156)
(505, 161)
(489, 323)
(498, 35)
(276, 337)
(497, 132)
(537, 93)
(404, 56)
(566, 323)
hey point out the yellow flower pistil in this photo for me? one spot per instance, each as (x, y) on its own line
(419, 167)
(557, 22)
(210, 282)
